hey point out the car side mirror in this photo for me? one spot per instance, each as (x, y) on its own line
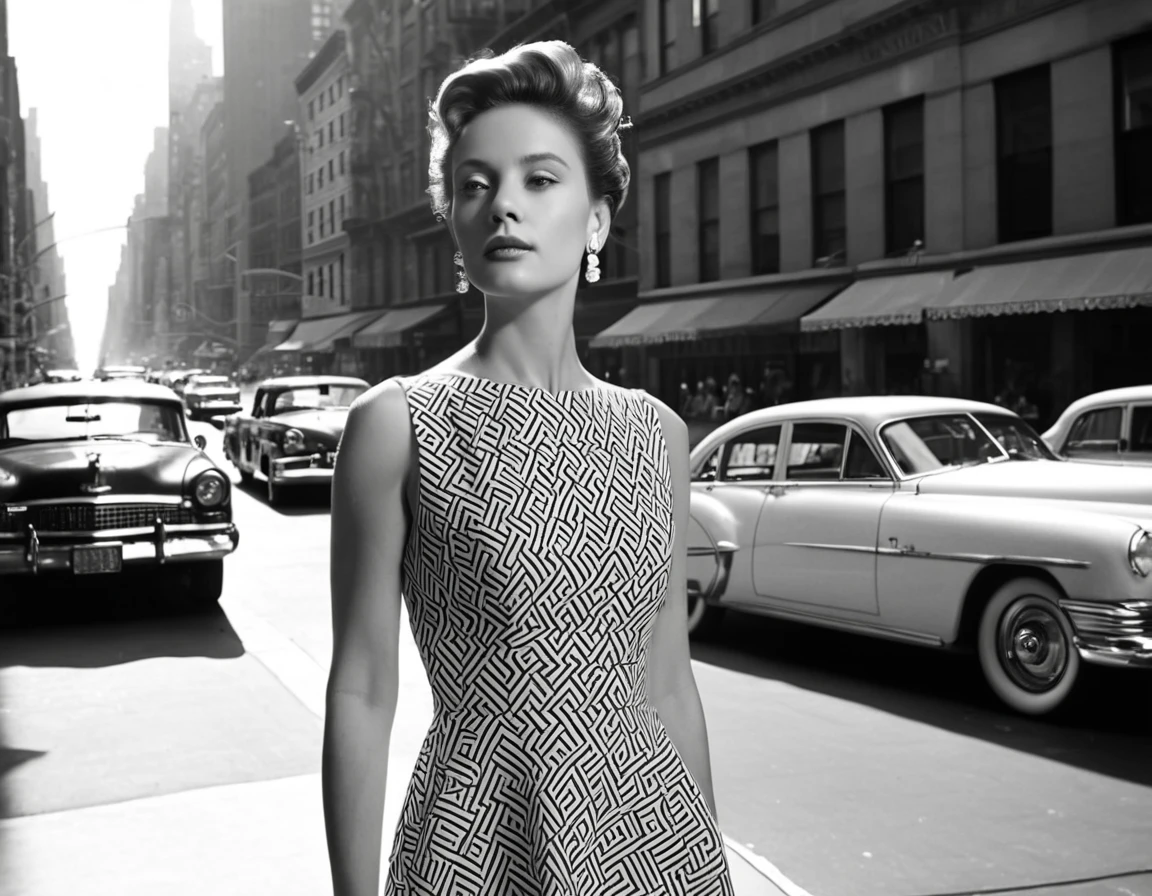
(200, 442)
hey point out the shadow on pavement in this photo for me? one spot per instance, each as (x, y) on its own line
(1105, 727)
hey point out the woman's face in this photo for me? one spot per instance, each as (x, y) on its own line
(521, 211)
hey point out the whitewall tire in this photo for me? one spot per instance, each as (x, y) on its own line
(1026, 647)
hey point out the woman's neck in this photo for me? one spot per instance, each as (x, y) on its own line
(533, 344)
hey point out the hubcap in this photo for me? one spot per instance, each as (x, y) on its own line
(1033, 647)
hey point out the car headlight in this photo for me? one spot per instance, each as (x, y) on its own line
(210, 489)
(293, 441)
(1140, 553)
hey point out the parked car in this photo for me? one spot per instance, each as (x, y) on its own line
(1112, 427)
(292, 434)
(176, 380)
(96, 477)
(934, 521)
(122, 372)
(62, 375)
(207, 395)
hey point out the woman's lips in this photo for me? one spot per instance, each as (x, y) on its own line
(506, 253)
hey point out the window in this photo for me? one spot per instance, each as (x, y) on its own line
(752, 455)
(341, 125)
(708, 13)
(332, 131)
(1141, 435)
(342, 296)
(816, 452)
(320, 137)
(1095, 431)
(342, 215)
(710, 469)
(764, 174)
(829, 224)
(667, 26)
(311, 109)
(332, 215)
(1024, 154)
(663, 196)
(320, 102)
(331, 170)
(708, 214)
(762, 10)
(321, 223)
(342, 168)
(862, 462)
(311, 183)
(1133, 116)
(311, 284)
(331, 283)
(903, 175)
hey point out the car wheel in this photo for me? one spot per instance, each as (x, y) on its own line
(1026, 647)
(703, 619)
(246, 476)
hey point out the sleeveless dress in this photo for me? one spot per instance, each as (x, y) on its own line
(537, 561)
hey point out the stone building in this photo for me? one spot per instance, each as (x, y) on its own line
(894, 195)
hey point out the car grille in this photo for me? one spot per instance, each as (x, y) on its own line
(93, 517)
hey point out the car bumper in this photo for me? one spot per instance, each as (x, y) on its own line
(215, 408)
(302, 470)
(34, 555)
(1118, 633)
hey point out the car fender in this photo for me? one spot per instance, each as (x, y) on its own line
(711, 543)
(931, 548)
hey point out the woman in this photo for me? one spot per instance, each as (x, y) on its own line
(534, 519)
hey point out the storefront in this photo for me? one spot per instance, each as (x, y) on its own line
(405, 340)
(312, 347)
(701, 336)
(265, 360)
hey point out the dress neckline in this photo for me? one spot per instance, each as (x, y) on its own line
(483, 380)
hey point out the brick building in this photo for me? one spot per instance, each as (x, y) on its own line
(892, 195)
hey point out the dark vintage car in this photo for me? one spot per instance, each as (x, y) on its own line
(292, 434)
(208, 395)
(99, 477)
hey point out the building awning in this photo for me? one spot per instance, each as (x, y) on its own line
(878, 301)
(278, 331)
(212, 350)
(389, 328)
(1094, 281)
(773, 307)
(319, 334)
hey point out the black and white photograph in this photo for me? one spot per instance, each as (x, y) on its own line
(576, 447)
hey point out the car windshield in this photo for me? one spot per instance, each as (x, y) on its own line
(325, 395)
(145, 421)
(924, 444)
(1016, 437)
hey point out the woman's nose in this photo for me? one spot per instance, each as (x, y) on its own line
(505, 205)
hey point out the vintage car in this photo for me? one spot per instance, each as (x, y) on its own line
(62, 375)
(207, 395)
(1113, 427)
(293, 432)
(935, 521)
(96, 477)
(121, 372)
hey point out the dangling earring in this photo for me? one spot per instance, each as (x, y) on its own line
(592, 268)
(461, 276)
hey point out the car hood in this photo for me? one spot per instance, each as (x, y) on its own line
(38, 471)
(1047, 479)
(329, 422)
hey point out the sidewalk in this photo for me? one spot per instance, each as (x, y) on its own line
(242, 839)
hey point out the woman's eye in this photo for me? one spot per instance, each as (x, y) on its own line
(539, 180)
(474, 186)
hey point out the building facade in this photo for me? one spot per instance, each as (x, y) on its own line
(325, 115)
(818, 178)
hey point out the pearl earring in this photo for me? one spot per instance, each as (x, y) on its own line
(461, 275)
(592, 268)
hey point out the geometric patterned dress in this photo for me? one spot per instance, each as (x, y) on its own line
(537, 561)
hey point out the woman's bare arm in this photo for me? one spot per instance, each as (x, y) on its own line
(369, 528)
(671, 684)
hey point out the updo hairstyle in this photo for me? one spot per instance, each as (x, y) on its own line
(551, 76)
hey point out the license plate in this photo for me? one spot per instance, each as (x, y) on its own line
(96, 558)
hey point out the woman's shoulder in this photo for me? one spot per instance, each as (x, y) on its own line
(379, 418)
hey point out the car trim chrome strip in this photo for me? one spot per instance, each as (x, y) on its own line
(983, 559)
(174, 500)
(52, 537)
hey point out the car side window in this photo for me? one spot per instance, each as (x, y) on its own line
(710, 468)
(258, 405)
(1141, 439)
(751, 455)
(1096, 430)
(816, 452)
(862, 462)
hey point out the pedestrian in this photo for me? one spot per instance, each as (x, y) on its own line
(534, 520)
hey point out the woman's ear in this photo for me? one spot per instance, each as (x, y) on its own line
(600, 221)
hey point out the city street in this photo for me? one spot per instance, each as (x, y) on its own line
(158, 753)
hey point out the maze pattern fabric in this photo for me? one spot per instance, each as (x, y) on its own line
(537, 562)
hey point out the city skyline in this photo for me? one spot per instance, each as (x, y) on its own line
(123, 91)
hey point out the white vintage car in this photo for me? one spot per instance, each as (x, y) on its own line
(940, 522)
(1107, 427)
